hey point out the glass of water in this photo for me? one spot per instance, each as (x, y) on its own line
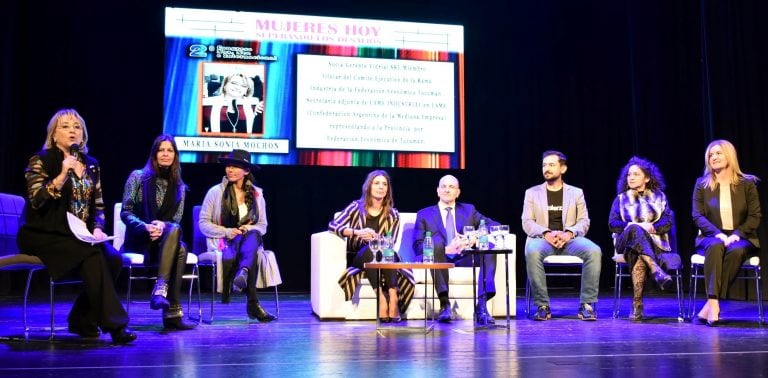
(375, 246)
(498, 239)
(469, 234)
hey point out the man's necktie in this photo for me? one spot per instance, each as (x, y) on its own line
(450, 225)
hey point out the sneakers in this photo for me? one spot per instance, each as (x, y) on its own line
(586, 312)
(542, 313)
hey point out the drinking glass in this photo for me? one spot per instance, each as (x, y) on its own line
(385, 244)
(504, 231)
(498, 239)
(375, 246)
(469, 233)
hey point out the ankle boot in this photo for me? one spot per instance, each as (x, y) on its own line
(662, 278)
(255, 311)
(159, 294)
(177, 323)
(637, 310)
(659, 275)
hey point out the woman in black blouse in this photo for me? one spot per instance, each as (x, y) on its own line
(372, 216)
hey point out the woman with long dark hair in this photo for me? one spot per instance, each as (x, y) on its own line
(233, 217)
(153, 204)
(372, 216)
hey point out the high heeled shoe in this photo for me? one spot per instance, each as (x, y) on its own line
(637, 312)
(714, 322)
(122, 336)
(662, 279)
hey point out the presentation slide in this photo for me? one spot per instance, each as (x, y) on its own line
(309, 90)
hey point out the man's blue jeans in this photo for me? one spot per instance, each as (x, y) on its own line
(536, 249)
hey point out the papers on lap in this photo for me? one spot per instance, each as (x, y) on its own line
(81, 232)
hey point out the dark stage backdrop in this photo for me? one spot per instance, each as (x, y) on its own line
(599, 80)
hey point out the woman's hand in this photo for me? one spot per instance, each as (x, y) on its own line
(366, 234)
(733, 238)
(155, 229)
(648, 227)
(99, 234)
(234, 232)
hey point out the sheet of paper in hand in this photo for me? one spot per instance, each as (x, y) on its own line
(81, 231)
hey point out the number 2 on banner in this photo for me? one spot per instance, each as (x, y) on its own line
(198, 51)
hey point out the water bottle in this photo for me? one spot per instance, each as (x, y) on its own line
(389, 251)
(428, 255)
(482, 236)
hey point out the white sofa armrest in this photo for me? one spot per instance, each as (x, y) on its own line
(328, 261)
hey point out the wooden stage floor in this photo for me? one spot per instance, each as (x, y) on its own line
(298, 344)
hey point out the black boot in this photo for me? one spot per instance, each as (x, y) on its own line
(177, 323)
(173, 319)
(255, 311)
(159, 294)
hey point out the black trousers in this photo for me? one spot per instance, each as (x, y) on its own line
(170, 255)
(365, 255)
(721, 263)
(97, 265)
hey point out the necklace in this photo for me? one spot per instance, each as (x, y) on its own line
(233, 115)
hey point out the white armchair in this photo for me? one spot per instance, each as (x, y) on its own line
(328, 261)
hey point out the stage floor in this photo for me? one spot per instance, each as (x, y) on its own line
(298, 344)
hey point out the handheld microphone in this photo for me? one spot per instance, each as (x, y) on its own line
(74, 150)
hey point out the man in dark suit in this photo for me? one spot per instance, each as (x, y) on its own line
(444, 221)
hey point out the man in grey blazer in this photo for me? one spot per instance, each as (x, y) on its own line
(555, 218)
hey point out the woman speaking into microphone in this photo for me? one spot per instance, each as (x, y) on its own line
(61, 179)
